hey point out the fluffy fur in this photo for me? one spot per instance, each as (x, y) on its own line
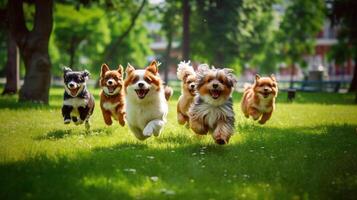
(259, 99)
(78, 103)
(112, 95)
(212, 110)
(146, 97)
(187, 75)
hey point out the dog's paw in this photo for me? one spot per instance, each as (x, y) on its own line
(261, 122)
(87, 125)
(67, 121)
(148, 130)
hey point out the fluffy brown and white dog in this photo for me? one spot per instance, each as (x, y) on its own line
(187, 75)
(112, 95)
(212, 110)
(146, 101)
(259, 99)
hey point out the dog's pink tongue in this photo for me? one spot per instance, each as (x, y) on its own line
(141, 93)
(215, 94)
(111, 89)
(74, 92)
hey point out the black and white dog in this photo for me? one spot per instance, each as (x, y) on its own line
(78, 104)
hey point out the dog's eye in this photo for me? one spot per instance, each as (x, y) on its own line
(147, 80)
(135, 80)
(209, 79)
(221, 80)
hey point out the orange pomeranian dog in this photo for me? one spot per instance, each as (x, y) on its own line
(259, 99)
(187, 75)
(112, 95)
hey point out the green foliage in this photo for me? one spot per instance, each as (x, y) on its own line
(343, 14)
(82, 33)
(302, 20)
(308, 150)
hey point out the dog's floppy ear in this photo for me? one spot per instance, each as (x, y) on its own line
(153, 67)
(104, 69)
(66, 69)
(273, 77)
(85, 74)
(257, 77)
(120, 69)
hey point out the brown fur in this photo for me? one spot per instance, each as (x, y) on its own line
(186, 99)
(255, 104)
(118, 112)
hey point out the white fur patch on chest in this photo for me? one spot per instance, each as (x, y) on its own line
(75, 102)
(211, 114)
(110, 106)
(264, 105)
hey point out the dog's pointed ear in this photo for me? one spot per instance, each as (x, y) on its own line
(257, 77)
(153, 67)
(66, 69)
(120, 69)
(273, 77)
(104, 69)
(129, 69)
(85, 74)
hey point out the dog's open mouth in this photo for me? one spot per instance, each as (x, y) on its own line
(74, 91)
(111, 89)
(141, 93)
(215, 93)
(192, 91)
(265, 94)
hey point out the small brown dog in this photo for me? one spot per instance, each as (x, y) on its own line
(187, 75)
(259, 99)
(112, 95)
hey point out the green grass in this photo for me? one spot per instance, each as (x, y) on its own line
(308, 150)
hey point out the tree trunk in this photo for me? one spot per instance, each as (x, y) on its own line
(353, 86)
(72, 51)
(33, 47)
(168, 58)
(186, 30)
(12, 67)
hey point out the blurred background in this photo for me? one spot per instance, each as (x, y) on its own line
(309, 45)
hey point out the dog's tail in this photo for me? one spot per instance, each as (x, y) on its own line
(184, 69)
(247, 86)
(168, 92)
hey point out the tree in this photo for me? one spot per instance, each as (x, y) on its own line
(72, 34)
(33, 46)
(303, 19)
(12, 62)
(186, 29)
(343, 14)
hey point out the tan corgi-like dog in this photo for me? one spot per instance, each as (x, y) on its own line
(112, 100)
(146, 101)
(187, 75)
(259, 99)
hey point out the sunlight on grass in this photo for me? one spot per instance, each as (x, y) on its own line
(307, 150)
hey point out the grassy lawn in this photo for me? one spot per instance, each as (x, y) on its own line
(308, 150)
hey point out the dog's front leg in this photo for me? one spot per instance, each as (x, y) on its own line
(66, 113)
(153, 127)
(121, 115)
(223, 132)
(107, 116)
(83, 114)
(198, 127)
(254, 113)
(265, 117)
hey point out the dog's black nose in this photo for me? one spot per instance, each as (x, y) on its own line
(192, 86)
(71, 85)
(265, 89)
(141, 85)
(110, 82)
(215, 85)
